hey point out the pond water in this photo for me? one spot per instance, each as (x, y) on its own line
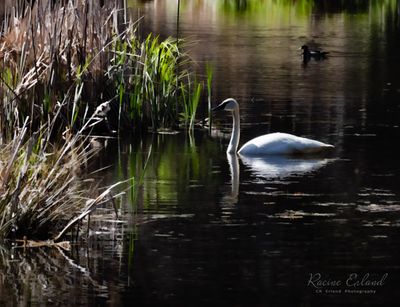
(205, 228)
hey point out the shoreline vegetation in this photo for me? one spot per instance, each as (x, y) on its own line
(70, 69)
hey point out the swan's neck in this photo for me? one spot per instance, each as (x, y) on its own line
(233, 144)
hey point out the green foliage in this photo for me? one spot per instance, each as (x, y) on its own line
(193, 104)
(98, 63)
(150, 72)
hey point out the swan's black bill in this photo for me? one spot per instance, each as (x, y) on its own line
(220, 107)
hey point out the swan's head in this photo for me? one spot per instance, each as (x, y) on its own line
(229, 104)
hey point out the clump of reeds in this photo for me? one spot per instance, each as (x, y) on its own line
(151, 90)
(47, 49)
(41, 189)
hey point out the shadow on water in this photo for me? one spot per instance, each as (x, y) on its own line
(197, 227)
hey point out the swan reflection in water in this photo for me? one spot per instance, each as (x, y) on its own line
(271, 168)
(280, 167)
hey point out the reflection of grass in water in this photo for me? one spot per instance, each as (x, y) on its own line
(164, 168)
(43, 274)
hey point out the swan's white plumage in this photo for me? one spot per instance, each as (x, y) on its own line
(282, 143)
(268, 144)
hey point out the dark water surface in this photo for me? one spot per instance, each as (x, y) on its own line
(205, 228)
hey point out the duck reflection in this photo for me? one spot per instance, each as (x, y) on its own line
(270, 168)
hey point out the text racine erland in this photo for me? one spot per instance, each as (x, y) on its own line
(352, 283)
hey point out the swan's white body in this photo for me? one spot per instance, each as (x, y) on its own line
(268, 144)
(281, 144)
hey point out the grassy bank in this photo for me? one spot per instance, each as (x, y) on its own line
(41, 189)
(68, 68)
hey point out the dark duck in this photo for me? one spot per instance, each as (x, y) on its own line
(308, 54)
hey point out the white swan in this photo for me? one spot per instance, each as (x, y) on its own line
(268, 144)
